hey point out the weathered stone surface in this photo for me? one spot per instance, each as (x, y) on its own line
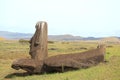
(75, 61)
(38, 43)
(25, 64)
(39, 61)
(38, 51)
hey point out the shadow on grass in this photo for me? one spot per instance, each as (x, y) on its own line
(18, 75)
(12, 75)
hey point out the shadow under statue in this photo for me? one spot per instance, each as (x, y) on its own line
(40, 62)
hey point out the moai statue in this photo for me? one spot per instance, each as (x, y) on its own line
(66, 62)
(39, 62)
(38, 43)
(38, 51)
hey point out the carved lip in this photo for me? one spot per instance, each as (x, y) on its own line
(17, 67)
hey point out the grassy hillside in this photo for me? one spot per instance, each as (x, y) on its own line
(11, 50)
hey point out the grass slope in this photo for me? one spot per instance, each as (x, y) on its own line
(11, 50)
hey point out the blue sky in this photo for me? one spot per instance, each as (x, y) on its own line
(98, 18)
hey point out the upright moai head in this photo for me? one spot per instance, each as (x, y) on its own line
(38, 51)
(38, 43)
(40, 23)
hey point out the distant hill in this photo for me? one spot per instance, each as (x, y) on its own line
(15, 35)
(66, 37)
(111, 39)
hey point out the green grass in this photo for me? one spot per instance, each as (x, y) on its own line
(11, 50)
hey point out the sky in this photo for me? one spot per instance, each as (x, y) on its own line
(97, 18)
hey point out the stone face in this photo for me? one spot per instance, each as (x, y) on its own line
(38, 51)
(25, 64)
(38, 43)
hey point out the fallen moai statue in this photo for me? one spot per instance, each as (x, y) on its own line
(65, 62)
(40, 63)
